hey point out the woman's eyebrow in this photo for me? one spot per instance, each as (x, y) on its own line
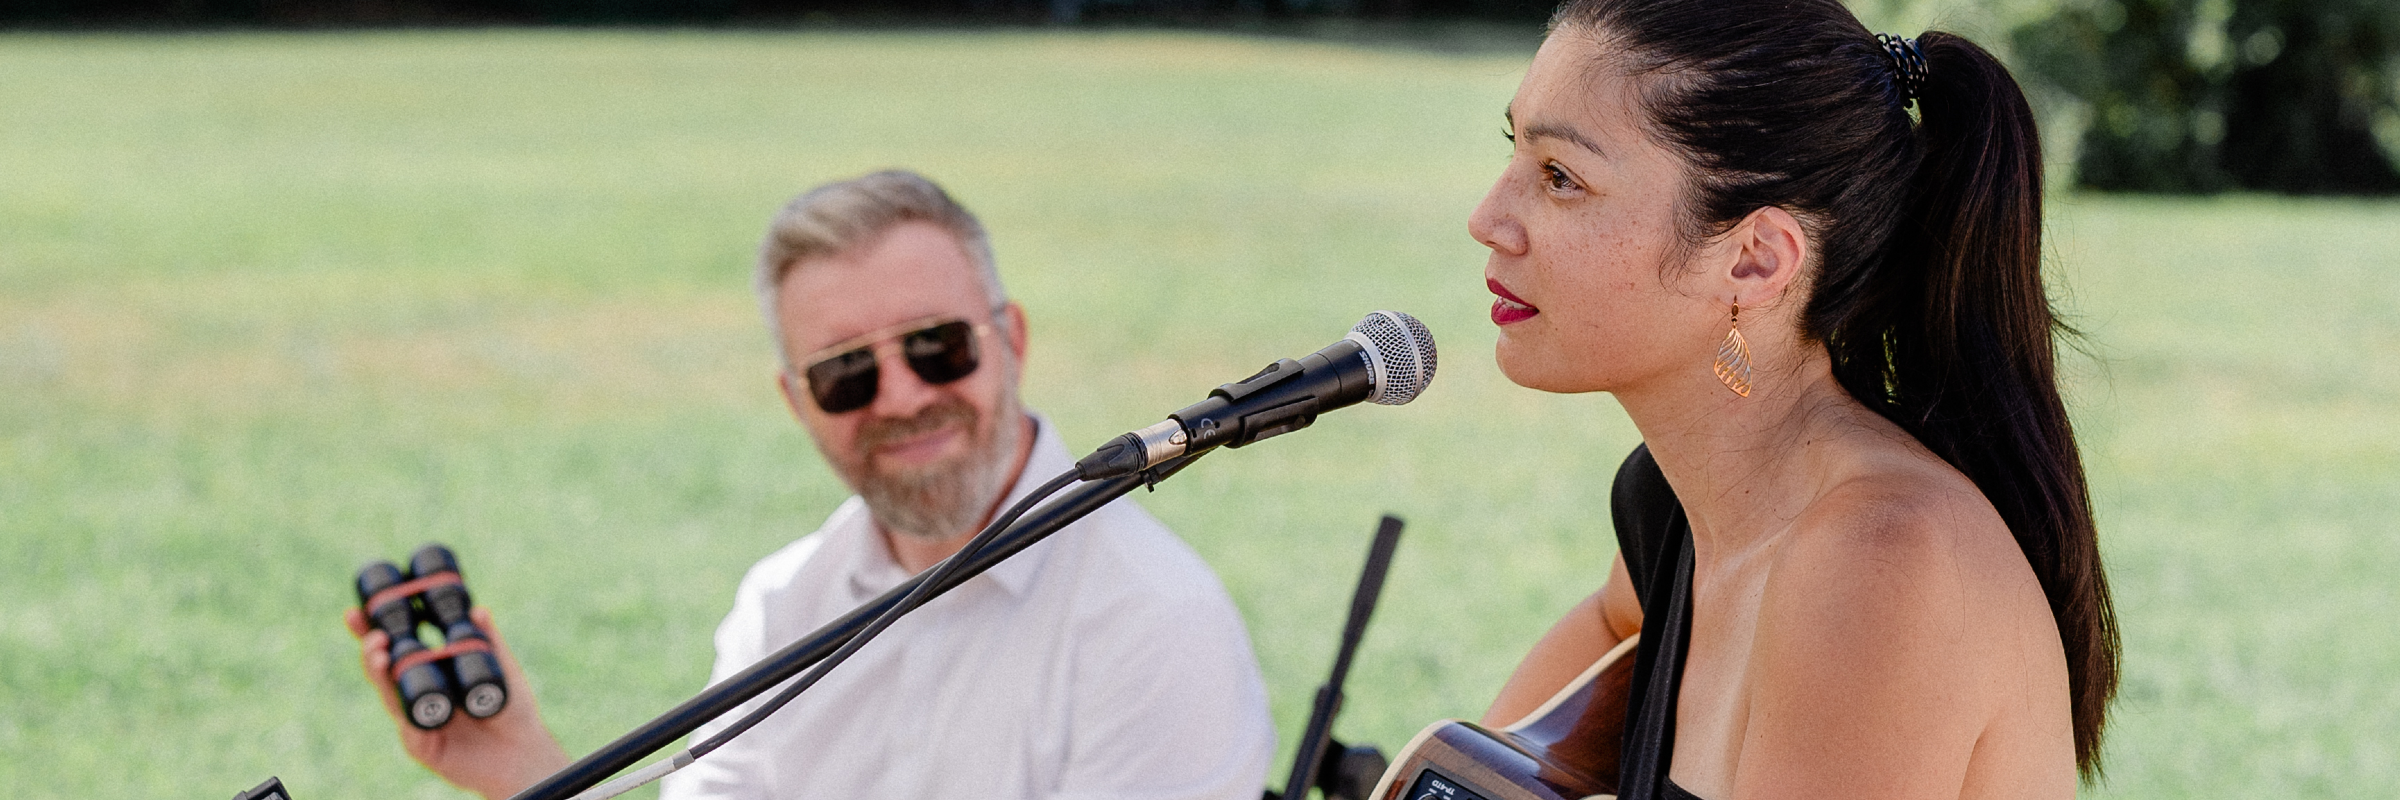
(1547, 130)
(1541, 130)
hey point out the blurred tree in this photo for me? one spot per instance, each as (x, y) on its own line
(2209, 95)
(646, 12)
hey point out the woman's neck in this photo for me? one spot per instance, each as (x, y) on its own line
(1744, 467)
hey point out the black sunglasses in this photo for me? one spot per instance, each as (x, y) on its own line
(938, 351)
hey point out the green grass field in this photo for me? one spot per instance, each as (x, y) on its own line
(272, 306)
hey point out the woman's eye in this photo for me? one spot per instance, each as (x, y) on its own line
(1510, 135)
(1557, 178)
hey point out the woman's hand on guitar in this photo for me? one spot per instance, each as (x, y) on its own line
(494, 757)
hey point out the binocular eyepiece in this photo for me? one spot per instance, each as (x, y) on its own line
(432, 682)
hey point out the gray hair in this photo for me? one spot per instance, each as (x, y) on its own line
(838, 216)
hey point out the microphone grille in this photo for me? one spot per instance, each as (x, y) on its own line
(1399, 352)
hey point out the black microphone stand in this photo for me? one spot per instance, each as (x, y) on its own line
(1070, 505)
(1320, 761)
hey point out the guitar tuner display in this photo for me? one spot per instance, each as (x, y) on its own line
(1432, 785)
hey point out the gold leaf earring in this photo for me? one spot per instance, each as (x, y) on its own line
(1733, 357)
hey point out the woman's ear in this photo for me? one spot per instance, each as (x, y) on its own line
(1769, 249)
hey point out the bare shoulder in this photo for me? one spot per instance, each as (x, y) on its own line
(1886, 569)
(1893, 528)
(1899, 553)
(1903, 634)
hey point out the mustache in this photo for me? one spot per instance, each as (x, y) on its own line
(947, 411)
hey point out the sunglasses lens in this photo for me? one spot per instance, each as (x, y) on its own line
(942, 353)
(938, 355)
(845, 382)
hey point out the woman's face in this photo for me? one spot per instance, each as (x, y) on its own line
(1585, 258)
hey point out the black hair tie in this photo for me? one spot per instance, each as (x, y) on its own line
(1907, 63)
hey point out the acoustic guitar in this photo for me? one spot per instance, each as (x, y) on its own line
(1565, 750)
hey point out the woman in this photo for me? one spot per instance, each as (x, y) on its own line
(1857, 539)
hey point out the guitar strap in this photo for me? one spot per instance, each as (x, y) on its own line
(1650, 726)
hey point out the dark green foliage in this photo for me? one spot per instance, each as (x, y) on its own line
(2192, 96)
(305, 13)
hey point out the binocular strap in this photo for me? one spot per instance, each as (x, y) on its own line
(406, 589)
(421, 657)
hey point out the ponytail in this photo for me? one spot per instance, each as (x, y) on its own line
(1927, 290)
(1966, 361)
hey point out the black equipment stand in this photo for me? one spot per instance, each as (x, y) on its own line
(1341, 772)
(271, 790)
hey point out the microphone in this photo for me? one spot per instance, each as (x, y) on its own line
(1387, 358)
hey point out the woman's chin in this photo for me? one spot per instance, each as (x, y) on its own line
(1538, 374)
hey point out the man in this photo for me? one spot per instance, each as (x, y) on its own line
(1104, 662)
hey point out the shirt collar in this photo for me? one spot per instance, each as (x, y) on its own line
(871, 570)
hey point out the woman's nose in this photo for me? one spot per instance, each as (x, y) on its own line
(1494, 224)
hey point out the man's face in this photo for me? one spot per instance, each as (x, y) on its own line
(928, 459)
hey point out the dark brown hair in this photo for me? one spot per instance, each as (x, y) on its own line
(1927, 282)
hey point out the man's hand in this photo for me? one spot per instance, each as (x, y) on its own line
(495, 757)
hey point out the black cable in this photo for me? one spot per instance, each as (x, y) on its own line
(909, 602)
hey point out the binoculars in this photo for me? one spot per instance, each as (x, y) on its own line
(433, 682)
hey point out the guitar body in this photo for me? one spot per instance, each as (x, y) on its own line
(1565, 750)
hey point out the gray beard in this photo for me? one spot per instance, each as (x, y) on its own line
(944, 500)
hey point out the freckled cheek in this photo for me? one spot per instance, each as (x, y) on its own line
(1595, 252)
(1593, 282)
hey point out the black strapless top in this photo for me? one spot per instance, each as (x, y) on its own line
(1656, 539)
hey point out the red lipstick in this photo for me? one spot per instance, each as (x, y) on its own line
(1509, 308)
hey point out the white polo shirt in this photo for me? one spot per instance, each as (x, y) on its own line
(1104, 662)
